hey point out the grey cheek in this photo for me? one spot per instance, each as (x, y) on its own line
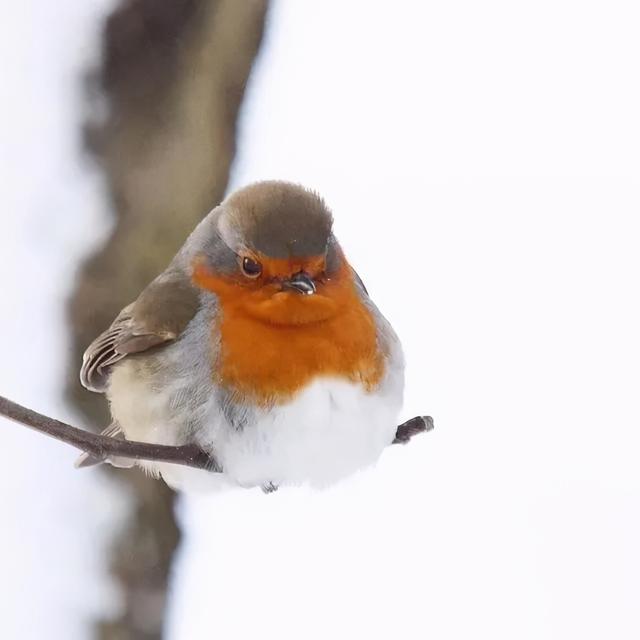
(220, 257)
(332, 261)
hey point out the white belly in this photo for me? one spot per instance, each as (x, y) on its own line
(330, 430)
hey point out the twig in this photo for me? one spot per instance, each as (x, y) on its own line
(102, 447)
(190, 455)
(410, 428)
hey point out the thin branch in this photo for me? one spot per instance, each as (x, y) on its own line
(412, 427)
(190, 455)
(102, 447)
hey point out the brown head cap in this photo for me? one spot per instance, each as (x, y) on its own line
(277, 219)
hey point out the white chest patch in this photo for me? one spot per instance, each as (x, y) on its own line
(329, 430)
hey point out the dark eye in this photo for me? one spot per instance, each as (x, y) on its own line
(251, 268)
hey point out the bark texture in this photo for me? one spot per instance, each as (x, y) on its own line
(172, 78)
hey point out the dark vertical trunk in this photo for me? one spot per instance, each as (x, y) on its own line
(173, 76)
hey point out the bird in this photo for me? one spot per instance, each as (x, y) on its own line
(260, 344)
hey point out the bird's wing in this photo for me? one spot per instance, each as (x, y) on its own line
(157, 317)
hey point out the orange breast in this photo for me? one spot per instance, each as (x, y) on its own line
(269, 362)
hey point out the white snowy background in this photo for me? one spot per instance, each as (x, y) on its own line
(55, 522)
(482, 161)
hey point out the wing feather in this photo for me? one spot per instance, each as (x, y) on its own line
(157, 317)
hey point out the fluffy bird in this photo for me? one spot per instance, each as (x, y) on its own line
(260, 344)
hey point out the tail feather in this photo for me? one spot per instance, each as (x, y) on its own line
(87, 460)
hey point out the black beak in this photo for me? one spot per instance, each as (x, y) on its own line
(302, 283)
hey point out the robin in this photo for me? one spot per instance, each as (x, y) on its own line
(259, 343)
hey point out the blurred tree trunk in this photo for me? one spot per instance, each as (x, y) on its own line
(173, 76)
